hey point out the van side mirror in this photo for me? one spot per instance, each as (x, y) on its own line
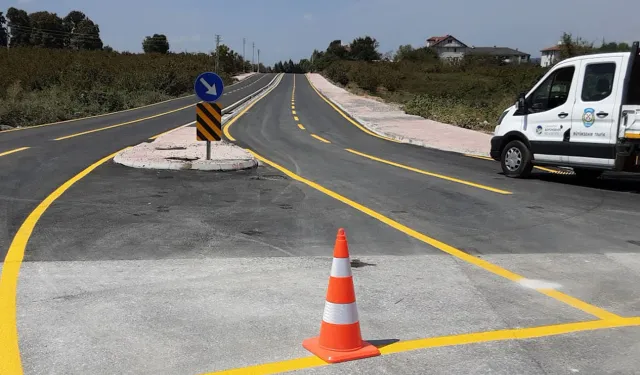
(521, 104)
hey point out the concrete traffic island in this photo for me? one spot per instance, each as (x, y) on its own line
(178, 149)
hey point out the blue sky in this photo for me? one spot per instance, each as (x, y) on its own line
(285, 29)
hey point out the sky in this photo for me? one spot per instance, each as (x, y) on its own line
(291, 29)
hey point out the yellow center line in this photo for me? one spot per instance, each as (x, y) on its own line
(443, 177)
(347, 117)
(294, 112)
(9, 350)
(12, 151)
(225, 128)
(123, 124)
(442, 341)
(296, 118)
(479, 157)
(293, 107)
(301, 127)
(490, 267)
(171, 130)
(320, 138)
(94, 116)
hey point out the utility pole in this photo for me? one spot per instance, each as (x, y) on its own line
(244, 57)
(217, 52)
(258, 68)
(253, 57)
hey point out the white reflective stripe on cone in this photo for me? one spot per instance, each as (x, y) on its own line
(341, 267)
(340, 313)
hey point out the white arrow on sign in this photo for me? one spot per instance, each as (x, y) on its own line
(211, 90)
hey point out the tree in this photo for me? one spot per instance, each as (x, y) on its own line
(403, 52)
(337, 50)
(82, 32)
(571, 47)
(3, 31)
(157, 43)
(108, 49)
(422, 54)
(614, 47)
(364, 49)
(20, 27)
(47, 30)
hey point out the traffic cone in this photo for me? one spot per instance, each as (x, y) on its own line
(340, 339)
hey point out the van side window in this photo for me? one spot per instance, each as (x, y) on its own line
(598, 81)
(553, 92)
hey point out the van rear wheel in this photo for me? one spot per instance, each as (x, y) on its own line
(516, 160)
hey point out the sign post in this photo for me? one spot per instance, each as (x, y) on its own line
(208, 88)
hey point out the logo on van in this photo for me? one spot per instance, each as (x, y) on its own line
(539, 129)
(588, 117)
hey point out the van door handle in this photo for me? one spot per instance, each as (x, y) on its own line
(563, 114)
(602, 114)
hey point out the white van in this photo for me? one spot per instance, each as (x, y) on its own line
(584, 114)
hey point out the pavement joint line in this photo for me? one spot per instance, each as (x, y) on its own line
(479, 262)
(440, 176)
(301, 126)
(512, 334)
(320, 138)
(13, 151)
(123, 123)
(9, 349)
(225, 128)
(359, 126)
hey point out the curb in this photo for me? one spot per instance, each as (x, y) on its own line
(200, 165)
(371, 127)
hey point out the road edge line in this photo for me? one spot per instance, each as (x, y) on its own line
(512, 334)
(451, 250)
(9, 350)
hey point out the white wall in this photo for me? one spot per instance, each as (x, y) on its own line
(549, 58)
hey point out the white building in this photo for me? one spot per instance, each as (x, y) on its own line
(550, 55)
(449, 48)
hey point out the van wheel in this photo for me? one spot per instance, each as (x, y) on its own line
(587, 174)
(516, 160)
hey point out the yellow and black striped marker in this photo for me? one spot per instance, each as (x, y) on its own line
(208, 122)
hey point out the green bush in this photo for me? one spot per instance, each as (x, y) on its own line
(45, 85)
(472, 93)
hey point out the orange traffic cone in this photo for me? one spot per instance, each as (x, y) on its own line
(340, 339)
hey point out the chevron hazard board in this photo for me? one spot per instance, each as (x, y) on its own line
(208, 122)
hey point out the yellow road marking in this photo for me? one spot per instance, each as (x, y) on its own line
(225, 129)
(122, 124)
(493, 268)
(452, 179)
(535, 166)
(9, 351)
(294, 112)
(442, 341)
(347, 117)
(293, 107)
(12, 151)
(301, 127)
(95, 116)
(320, 138)
(171, 130)
(296, 118)
(479, 157)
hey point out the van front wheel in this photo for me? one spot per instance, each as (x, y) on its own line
(516, 160)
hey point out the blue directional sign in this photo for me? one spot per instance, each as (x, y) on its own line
(209, 87)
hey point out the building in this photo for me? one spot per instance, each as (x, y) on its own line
(550, 55)
(448, 47)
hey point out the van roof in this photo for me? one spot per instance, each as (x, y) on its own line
(610, 54)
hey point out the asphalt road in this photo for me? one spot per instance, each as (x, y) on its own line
(28, 176)
(138, 271)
